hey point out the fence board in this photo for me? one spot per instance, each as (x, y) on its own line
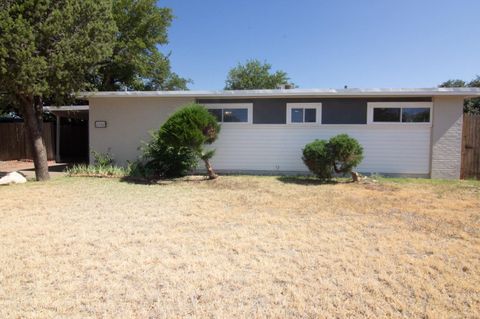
(471, 147)
(14, 144)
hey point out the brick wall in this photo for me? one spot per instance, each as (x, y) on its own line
(447, 137)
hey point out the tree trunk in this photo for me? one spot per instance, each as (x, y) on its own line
(211, 174)
(34, 123)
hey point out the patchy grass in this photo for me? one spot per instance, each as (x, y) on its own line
(85, 170)
(240, 247)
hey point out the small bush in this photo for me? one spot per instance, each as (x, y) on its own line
(102, 159)
(346, 153)
(160, 160)
(103, 166)
(340, 155)
(178, 145)
(96, 171)
(317, 158)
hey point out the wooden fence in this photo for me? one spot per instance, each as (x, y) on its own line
(14, 144)
(471, 147)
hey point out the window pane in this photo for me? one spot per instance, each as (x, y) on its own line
(297, 115)
(386, 114)
(310, 115)
(420, 114)
(235, 115)
(217, 113)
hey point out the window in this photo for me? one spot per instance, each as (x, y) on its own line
(386, 114)
(303, 113)
(217, 113)
(399, 112)
(231, 112)
(420, 114)
(235, 115)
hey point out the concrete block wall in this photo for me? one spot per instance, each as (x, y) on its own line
(447, 137)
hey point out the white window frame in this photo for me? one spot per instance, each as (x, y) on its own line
(401, 105)
(317, 106)
(226, 106)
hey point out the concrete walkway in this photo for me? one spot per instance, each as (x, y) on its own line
(27, 169)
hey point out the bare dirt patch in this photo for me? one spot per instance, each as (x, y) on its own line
(239, 247)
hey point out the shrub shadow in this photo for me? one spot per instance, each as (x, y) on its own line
(164, 181)
(305, 180)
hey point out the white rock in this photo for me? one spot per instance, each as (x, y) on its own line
(13, 178)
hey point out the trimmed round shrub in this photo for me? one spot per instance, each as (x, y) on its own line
(340, 155)
(317, 158)
(346, 153)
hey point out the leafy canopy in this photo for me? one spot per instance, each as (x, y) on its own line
(50, 47)
(192, 126)
(254, 75)
(179, 143)
(470, 105)
(340, 154)
(136, 62)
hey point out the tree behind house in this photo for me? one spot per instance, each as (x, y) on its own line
(48, 48)
(471, 106)
(254, 75)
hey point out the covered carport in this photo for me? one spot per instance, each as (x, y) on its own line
(71, 133)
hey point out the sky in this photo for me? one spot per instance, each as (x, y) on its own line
(327, 44)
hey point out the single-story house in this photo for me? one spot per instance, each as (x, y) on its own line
(414, 132)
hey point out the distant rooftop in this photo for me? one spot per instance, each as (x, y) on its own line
(466, 92)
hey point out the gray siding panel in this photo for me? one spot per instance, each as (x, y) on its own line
(344, 112)
(269, 112)
(334, 110)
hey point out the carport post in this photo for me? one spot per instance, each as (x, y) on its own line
(57, 139)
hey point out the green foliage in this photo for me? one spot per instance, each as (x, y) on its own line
(136, 62)
(254, 75)
(340, 155)
(103, 166)
(161, 160)
(49, 47)
(346, 153)
(96, 171)
(102, 159)
(176, 147)
(192, 127)
(317, 158)
(471, 106)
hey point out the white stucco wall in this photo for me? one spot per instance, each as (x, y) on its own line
(447, 137)
(129, 121)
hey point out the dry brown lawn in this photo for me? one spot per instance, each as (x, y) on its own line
(240, 247)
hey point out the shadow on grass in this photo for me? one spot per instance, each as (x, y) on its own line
(163, 181)
(306, 180)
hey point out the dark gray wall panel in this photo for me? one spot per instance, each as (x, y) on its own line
(334, 110)
(266, 111)
(347, 111)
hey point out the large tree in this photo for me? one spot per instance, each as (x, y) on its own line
(254, 75)
(470, 105)
(136, 62)
(48, 49)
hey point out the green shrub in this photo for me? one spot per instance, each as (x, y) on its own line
(340, 155)
(317, 158)
(102, 159)
(176, 147)
(346, 153)
(163, 161)
(103, 166)
(96, 171)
